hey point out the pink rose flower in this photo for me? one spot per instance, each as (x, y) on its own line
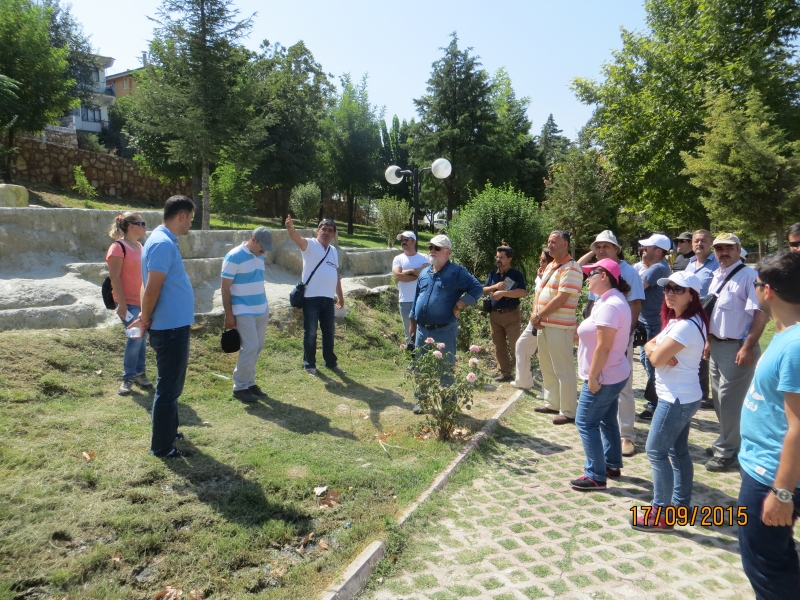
(474, 348)
(437, 354)
(473, 362)
(471, 377)
(429, 340)
(440, 345)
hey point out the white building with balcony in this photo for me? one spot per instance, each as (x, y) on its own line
(92, 115)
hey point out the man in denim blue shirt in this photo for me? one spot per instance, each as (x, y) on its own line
(443, 289)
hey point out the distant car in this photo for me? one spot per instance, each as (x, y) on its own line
(440, 223)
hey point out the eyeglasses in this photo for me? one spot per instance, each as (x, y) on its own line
(758, 284)
(595, 272)
(432, 247)
(405, 239)
(139, 223)
(675, 289)
(794, 244)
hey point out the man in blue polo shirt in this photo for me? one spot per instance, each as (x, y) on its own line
(167, 312)
(246, 308)
(770, 447)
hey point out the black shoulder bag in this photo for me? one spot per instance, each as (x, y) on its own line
(105, 289)
(710, 301)
(297, 297)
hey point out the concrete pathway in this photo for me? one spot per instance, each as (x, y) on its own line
(515, 529)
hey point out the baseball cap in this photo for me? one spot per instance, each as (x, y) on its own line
(230, 341)
(686, 235)
(441, 240)
(407, 234)
(607, 264)
(605, 236)
(658, 240)
(727, 238)
(264, 237)
(683, 279)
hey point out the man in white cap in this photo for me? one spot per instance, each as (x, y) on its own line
(736, 326)
(653, 267)
(406, 268)
(606, 246)
(443, 289)
(246, 308)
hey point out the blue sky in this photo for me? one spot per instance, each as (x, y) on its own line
(543, 45)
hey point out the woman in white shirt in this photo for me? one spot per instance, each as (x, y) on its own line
(676, 354)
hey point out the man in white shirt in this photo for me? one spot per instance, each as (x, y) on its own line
(737, 323)
(321, 289)
(406, 268)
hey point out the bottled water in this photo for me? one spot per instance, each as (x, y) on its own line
(133, 332)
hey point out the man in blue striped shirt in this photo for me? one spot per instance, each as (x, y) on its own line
(246, 308)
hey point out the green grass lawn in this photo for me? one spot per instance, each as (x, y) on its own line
(229, 520)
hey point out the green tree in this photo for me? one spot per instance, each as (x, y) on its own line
(194, 99)
(305, 201)
(554, 146)
(494, 215)
(749, 173)
(43, 92)
(231, 190)
(457, 121)
(353, 144)
(578, 196)
(392, 218)
(655, 91)
(298, 93)
(395, 144)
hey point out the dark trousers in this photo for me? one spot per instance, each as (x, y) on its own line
(768, 553)
(172, 357)
(653, 329)
(318, 310)
(704, 380)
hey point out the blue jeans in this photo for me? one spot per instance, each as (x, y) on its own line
(318, 310)
(596, 420)
(653, 329)
(446, 335)
(668, 450)
(172, 357)
(135, 350)
(768, 553)
(405, 311)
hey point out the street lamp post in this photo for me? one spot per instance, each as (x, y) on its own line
(441, 169)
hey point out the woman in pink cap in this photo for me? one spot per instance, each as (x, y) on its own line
(605, 369)
(675, 353)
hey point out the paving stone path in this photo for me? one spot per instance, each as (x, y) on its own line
(510, 526)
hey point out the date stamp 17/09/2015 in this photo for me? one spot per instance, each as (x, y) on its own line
(704, 516)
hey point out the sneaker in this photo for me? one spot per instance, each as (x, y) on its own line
(646, 414)
(179, 435)
(503, 378)
(613, 473)
(311, 371)
(245, 396)
(514, 384)
(545, 410)
(142, 381)
(175, 453)
(651, 525)
(587, 484)
(256, 391)
(563, 420)
(125, 388)
(707, 404)
(628, 449)
(720, 463)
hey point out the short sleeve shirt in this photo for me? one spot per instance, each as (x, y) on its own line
(175, 306)
(610, 310)
(654, 293)
(519, 284)
(736, 305)
(408, 289)
(247, 290)
(564, 277)
(131, 274)
(323, 283)
(763, 425)
(682, 382)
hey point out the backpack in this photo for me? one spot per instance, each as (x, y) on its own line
(105, 289)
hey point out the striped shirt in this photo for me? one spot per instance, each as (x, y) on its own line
(566, 277)
(247, 289)
(736, 305)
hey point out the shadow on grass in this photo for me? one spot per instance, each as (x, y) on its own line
(186, 414)
(295, 418)
(237, 499)
(378, 399)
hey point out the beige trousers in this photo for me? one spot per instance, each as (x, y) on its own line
(559, 380)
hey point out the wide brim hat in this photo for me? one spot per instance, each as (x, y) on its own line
(606, 236)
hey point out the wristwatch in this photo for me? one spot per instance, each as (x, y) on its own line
(784, 496)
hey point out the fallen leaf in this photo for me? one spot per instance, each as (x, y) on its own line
(318, 491)
(169, 593)
(324, 545)
(426, 430)
(334, 496)
(87, 456)
(305, 540)
(206, 423)
(116, 559)
(278, 571)
(196, 595)
(100, 372)
(365, 415)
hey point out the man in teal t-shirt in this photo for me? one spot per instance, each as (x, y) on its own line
(770, 430)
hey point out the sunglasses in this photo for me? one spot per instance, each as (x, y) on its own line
(595, 272)
(794, 244)
(139, 223)
(675, 289)
(404, 239)
(432, 247)
(758, 284)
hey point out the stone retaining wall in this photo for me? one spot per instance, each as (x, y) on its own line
(45, 162)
